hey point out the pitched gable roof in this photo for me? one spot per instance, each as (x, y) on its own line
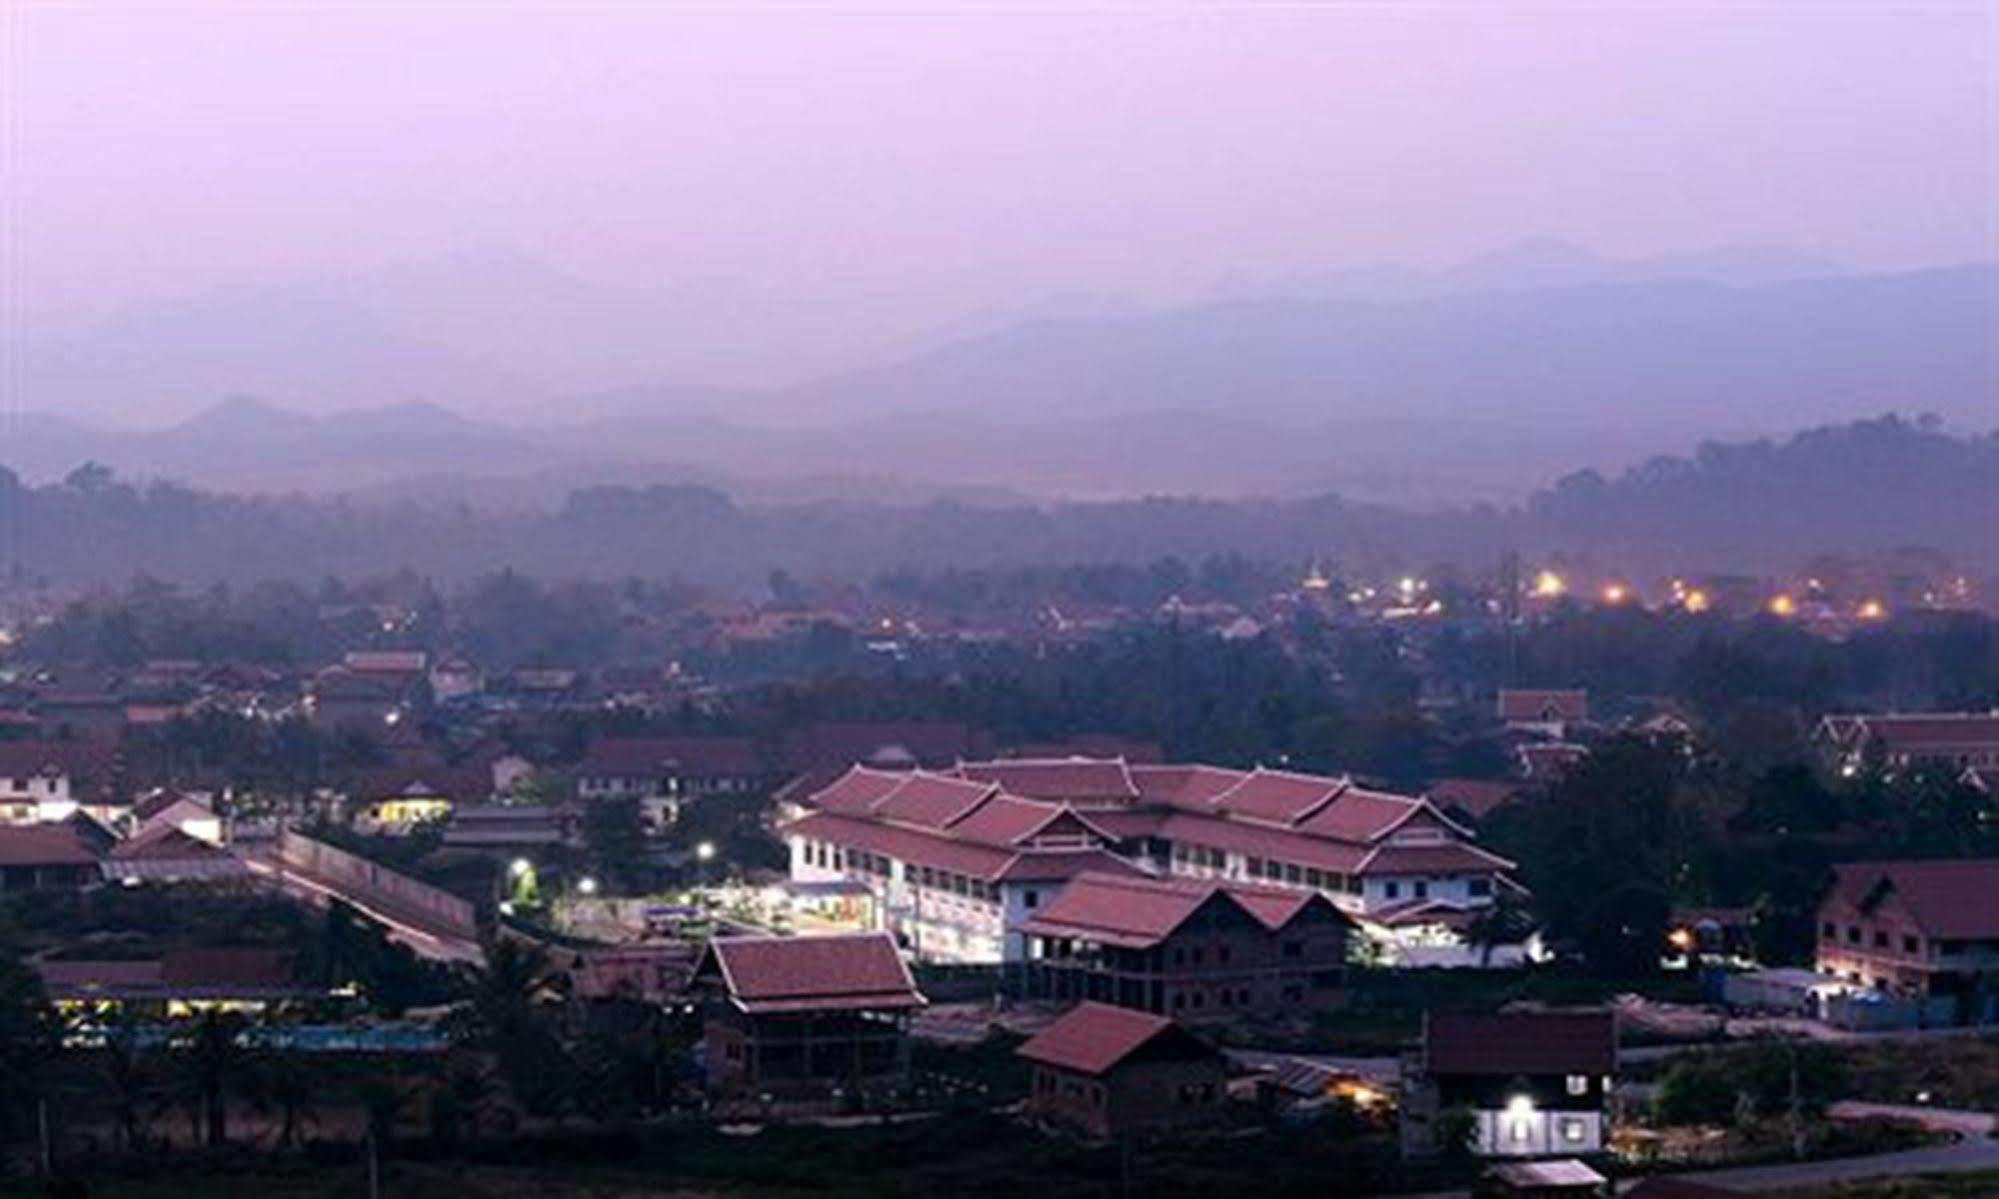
(1955, 900)
(1078, 780)
(1140, 912)
(761, 975)
(1508, 1043)
(1094, 1038)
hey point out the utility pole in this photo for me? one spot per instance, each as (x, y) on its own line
(1797, 1124)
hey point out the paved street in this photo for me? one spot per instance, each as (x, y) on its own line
(1974, 1150)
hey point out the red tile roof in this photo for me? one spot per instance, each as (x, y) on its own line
(1477, 798)
(1281, 845)
(1278, 796)
(1079, 780)
(644, 757)
(1139, 913)
(1057, 865)
(165, 842)
(856, 792)
(1529, 1043)
(903, 844)
(796, 974)
(236, 969)
(1539, 705)
(44, 845)
(932, 800)
(1361, 815)
(1934, 731)
(1094, 1037)
(1955, 900)
(1191, 788)
(1442, 858)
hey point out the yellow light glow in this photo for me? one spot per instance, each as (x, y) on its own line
(1783, 605)
(1696, 600)
(1548, 584)
(1873, 610)
(1681, 939)
(1615, 593)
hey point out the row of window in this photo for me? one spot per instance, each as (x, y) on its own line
(834, 857)
(1830, 932)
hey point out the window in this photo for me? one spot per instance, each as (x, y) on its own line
(1911, 944)
(1254, 866)
(1573, 1130)
(1578, 1084)
(1479, 886)
(1880, 939)
(1853, 934)
(1294, 949)
(1391, 890)
(1421, 887)
(1030, 898)
(1293, 873)
(1829, 931)
(1222, 953)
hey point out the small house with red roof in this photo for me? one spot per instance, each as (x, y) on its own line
(1543, 710)
(42, 857)
(1952, 741)
(1921, 931)
(801, 1017)
(1106, 1071)
(1537, 1083)
(1195, 950)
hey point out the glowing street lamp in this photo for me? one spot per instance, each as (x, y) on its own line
(1696, 601)
(1873, 610)
(586, 886)
(705, 851)
(1782, 605)
(519, 868)
(1549, 585)
(1615, 593)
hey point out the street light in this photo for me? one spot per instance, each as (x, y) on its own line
(705, 851)
(519, 867)
(586, 886)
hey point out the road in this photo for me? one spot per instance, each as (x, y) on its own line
(426, 942)
(1973, 1150)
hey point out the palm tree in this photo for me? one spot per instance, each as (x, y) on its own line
(282, 1083)
(214, 1062)
(129, 1075)
(1503, 922)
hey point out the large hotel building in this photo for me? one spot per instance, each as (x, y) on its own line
(960, 861)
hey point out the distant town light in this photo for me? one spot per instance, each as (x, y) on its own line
(1783, 605)
(1681, 939)
(1873, 609)
(1548, 584)
(519, 867)
(705, 851)
(586, 886)
(1696, 601)
(1615, 593)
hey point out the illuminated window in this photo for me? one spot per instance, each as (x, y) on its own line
(1573, 1131)
(1578, 1084)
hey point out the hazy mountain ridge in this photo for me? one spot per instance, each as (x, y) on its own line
(1465, 396)
(1888, 483)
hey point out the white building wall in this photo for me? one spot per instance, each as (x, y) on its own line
(1539, 1133)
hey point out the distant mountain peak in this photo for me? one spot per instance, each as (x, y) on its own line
(245, 415)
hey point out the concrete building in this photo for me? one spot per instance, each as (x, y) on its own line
(1924, 932)
(1536, 1084)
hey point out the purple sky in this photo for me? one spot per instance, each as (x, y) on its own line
(909, 164)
